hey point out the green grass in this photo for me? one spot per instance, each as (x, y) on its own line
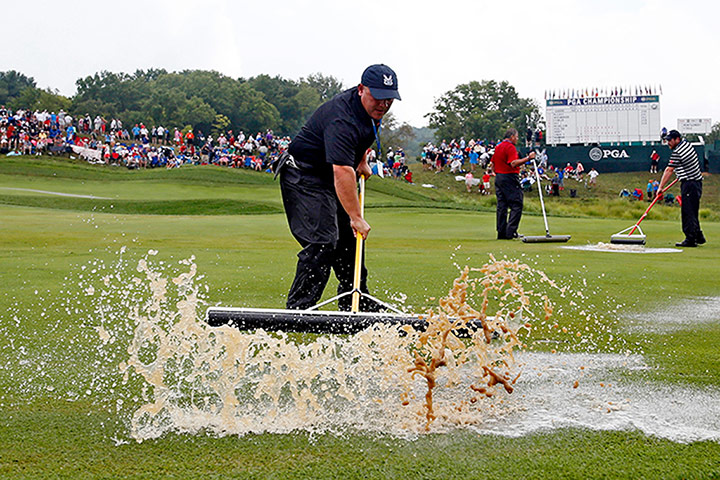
(461, 455)
(208, 190)
(600, 201)
(192, 206)
(231, 221)
(44, 167)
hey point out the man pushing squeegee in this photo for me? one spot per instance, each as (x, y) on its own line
(686, 166)
(318, 181)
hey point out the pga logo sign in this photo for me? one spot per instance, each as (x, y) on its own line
(596, 154)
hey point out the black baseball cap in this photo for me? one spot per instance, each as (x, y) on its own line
(673, 134)
(382, 82)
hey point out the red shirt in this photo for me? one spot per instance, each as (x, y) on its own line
(504, 154)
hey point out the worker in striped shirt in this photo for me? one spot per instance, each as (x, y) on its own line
(685, 164)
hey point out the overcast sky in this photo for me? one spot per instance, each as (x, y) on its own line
(432, 45)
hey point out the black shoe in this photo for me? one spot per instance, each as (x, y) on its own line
(700, 240)
(686, 243)
(517, 235)
(500, 237)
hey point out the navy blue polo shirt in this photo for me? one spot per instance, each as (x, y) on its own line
(338, 133)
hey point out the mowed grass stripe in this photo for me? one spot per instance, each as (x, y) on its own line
(81, 170)
(204, 206)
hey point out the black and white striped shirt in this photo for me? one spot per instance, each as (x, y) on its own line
(685, 162)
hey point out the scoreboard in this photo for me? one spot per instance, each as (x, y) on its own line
(694, 125)
(593, 119)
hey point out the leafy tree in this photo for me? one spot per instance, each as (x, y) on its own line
(212, 87)
(714, 135)
(245, 107)
(151, 74)
(197, 113)
(117, 92)
(482, 110)
(281, 93)
(91, 107)
(326, 86)
(421, 137)
(394, 135)
(252, 112)
(12, 84)
(164, 104)
(307, 100)
(220, 125)
(190, 97)
(37, 99)
(295, 101)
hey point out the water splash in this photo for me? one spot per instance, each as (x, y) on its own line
(159, 368)
(195, 377)
(385, 379)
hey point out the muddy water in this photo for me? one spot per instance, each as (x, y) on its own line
(159, 368)
(194, 377)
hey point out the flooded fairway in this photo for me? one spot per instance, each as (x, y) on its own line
(148, 357)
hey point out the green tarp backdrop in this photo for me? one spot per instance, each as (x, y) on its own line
(629, 158)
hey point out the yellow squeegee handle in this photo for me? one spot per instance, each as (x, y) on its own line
(358, 252)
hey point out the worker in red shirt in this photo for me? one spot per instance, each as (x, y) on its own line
(507, 185)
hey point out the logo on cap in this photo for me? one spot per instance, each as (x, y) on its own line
(387, 80)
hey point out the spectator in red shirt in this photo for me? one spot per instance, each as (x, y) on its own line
(507, 185)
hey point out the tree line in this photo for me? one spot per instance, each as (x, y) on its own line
(483, 110)
(212, 102)
(204, 100)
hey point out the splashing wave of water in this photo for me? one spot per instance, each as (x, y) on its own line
(160, 368)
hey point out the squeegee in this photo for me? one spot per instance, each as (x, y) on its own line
(547, 237)
(320, 321)
(632, 238)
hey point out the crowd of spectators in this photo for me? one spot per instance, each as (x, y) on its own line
(457, 155)
(470, 161)
(394, 165)
(25, 132)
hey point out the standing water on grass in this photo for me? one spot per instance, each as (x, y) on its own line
(159, 368)
(384, 379)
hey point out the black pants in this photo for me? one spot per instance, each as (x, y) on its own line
(321, 226)
(509, 196)
(691, 191)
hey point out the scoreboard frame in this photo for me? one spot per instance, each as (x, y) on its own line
(606, 119)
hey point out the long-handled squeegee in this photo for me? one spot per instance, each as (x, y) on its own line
(313, 320)
(547, 237)
(624, 238)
